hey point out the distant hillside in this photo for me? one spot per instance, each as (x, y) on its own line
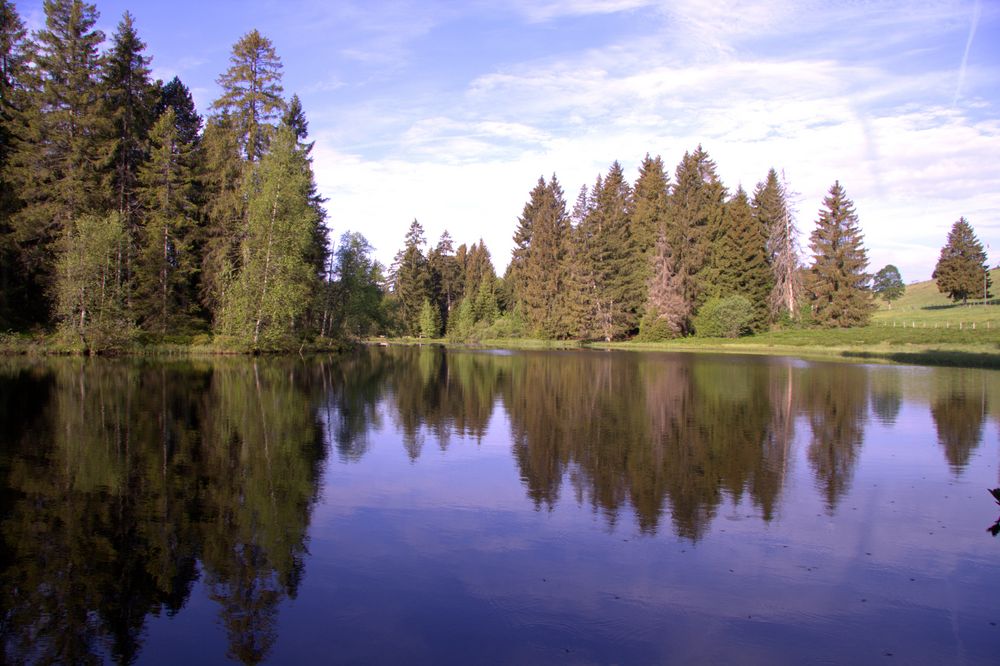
(924, 303)
(926, 295)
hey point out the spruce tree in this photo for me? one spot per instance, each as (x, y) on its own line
(961, 271)
(444, 276)
(741, 259)
(649, 219)
(174, 94)
(251, 92)
(542, 274)
(164, 286)
(60, 148)
(773, 212)
(613, 256)
(522, 240)
(411, 278)
(129, 101)
(697, 203)
(14, 292)
(837, 282)
(275, 284)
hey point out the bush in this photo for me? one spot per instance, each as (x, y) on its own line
(729, 317)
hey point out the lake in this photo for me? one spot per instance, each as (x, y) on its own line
(422, 505)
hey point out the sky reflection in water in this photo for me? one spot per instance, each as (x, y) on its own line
(427, 506)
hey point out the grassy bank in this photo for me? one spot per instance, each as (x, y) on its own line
(55, 344)
(951, 347)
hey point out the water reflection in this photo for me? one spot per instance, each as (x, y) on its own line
(125, 485)
(124, 482)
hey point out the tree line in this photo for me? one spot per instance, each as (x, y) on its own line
(125, 215)
(655, 259)
(125, 212)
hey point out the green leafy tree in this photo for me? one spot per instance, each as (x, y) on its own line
(837, 282)
(430, 320)
(355, 290)
(888, 284)
(961, 271)
(251, 92)
(61, 147)
(274, 286)
(90, 295)
(164, 285)
(728, 317)
(222, 209)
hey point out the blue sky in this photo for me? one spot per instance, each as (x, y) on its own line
(448, 112)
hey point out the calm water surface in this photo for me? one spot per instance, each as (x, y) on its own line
(411, 505)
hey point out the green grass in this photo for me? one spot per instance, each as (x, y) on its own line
(923, 306)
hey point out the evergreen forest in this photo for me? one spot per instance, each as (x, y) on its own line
(128, 216)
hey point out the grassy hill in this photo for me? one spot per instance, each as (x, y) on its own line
(923, 306)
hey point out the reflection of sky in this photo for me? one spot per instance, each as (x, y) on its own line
(444, 559)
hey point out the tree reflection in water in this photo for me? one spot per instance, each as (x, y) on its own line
(123, 482)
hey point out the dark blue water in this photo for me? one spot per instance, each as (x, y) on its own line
(411, 505)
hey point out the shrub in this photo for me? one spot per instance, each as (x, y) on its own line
(729, 317)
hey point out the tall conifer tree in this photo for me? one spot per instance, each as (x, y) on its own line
(697, 202)
(838, 283)
(164, 291)
(176, 95)
(961, 271)
(612, 252)
(14, 295)
(129, 99)
(411, 284)
(773, 211)
(61, 144)
(542, 275)
(742, 260)
(251, 92)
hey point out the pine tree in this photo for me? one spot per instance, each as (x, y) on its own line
(411, 278)
(575, 306)
(164, 290)
(60, 147)
(697, 203)
(741, 259)
(275, 283)
(838, 284)
(773, 211)
(961, 271)
(667, 314)
(252, 92)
